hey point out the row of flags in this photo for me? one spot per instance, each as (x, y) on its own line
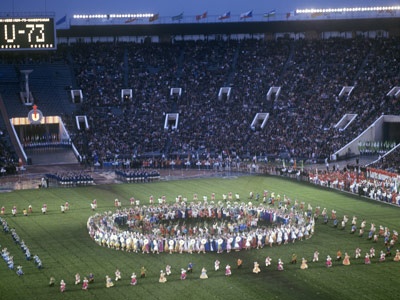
(227, 15)
(224, 16)
(204, 15)
(154, 18)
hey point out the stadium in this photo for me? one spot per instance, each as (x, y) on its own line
(141, 144)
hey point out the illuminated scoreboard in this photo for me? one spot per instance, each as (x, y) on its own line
(27, 34)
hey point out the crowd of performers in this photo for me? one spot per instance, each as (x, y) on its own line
(216, 226)
(69, 179)
(9, 259)
(355, 182)
(200, 226)
(182, 273)
(211, 226)
(64, 207)
(138, 175)
(110, 281)
(203, 226)
(158, 233)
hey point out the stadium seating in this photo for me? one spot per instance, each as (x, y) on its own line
(310, 73)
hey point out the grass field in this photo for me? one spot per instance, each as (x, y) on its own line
(65, 248)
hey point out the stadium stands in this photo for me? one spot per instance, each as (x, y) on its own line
(311, 74)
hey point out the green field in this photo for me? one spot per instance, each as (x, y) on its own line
(65, 248)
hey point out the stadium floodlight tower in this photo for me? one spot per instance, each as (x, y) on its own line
(27, 96)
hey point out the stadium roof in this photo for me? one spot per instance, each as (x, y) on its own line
(341, 25)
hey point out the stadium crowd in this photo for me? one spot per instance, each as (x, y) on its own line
(311, 74)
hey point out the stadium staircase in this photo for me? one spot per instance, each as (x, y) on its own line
(52, 156)
(288, 62)
(232, 71)
(366, 160)
(126, 67)
(74, 84)
(363, 64)
(178, 72)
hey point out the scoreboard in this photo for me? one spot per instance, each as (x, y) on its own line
(27, 34)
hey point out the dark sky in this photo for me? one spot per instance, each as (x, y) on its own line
(175, 7)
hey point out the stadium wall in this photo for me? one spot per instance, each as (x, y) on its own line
(310, 29)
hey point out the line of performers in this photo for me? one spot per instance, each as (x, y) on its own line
(164, 274)
(29, 211)
(8, 258)
(339, 259)
(389, 237)
(109, 282)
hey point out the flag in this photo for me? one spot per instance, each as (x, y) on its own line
(270, 14)
(225, 16)
(317, 14)
(154, 17)
(203, 16)
(130, 20)
(246, 15)
(178, 17)
(62, 20)
(290, 14)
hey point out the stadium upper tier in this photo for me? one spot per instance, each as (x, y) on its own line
(311, 74)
